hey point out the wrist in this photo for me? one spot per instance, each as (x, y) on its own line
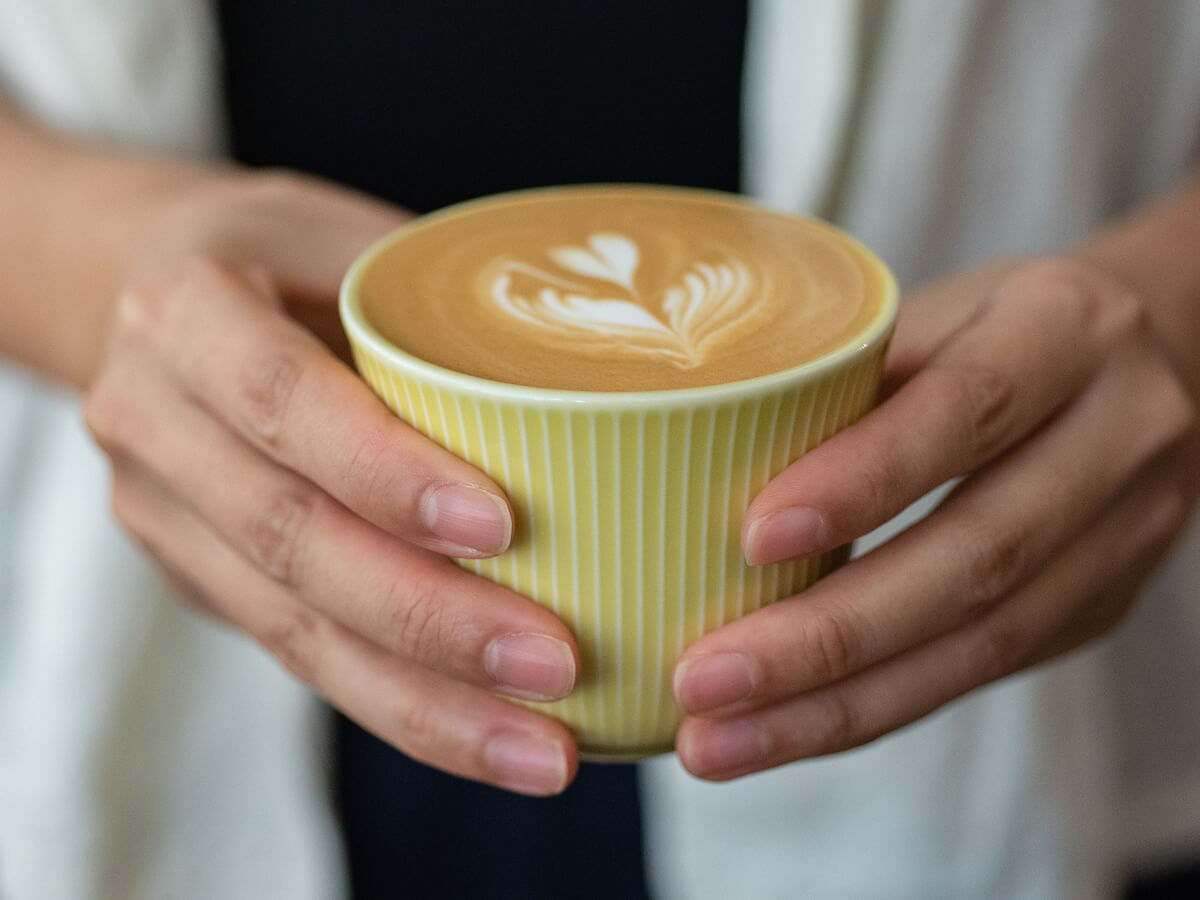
(77, 214)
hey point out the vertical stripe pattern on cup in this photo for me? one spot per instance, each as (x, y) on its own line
(629, 522)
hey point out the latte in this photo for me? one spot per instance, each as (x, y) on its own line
(627, 495)
(620, 288)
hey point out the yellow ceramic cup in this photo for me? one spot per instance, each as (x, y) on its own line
(629, 505)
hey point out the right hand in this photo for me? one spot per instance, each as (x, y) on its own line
(279, 494)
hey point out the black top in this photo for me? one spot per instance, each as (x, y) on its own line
(426, 104)
(429, 103)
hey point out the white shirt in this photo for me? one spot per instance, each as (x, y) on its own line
(145, 754)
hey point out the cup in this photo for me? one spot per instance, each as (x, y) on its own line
(628, 504)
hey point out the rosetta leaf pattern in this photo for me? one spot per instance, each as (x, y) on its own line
(679, 322)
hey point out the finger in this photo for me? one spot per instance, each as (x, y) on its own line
(179, 587)
(1037, 344)
(1168, 504)
(280, 389)
(187, 593)
(934, 315)
(406, 600)
(997, 531)
(1097, 575)
(304, 231)
(432, 718)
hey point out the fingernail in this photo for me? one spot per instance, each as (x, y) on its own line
(527, 764)
(475, 519)
(532, 666)
(786, 534)
(726, 748)
(710, 682)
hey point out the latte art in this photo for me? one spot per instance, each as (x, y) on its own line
(678, 322)
(561, 341)
(620, 289)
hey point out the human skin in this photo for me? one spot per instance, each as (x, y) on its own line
(1063, 391)
(197, 319)
(194, 309)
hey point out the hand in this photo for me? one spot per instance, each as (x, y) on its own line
(281, 496)
(1045, 387)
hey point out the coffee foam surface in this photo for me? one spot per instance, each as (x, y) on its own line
(620, 288)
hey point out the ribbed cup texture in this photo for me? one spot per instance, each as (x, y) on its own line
(628, 521)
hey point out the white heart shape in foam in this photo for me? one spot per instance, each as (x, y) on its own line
(613, 257)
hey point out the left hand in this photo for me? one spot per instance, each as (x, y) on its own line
(1045, 387)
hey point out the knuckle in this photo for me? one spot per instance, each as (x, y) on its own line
(114, 424)
(128, 511)
(839, 723)
(1056, 280)
(1104, 308)
(1122, 314)
(419, 727)
(1112, 610)
(276, 532)
(1177, 411)
(293, 639)
(1001, 648)
(271, 191)
(204, 269)
(1170, 512)
(192, 598)
(370, 467)
(1064, 272)
(1188, 425)
(150, 309)
(984, 401)
(104, 412)
(210, 273)
(990, 562)
(416, 621)
(833, 647)
(882, 470)
(277, 184)
(140, 307)
(266, 387)
(190, 594)
(989, 398)
(1166, 416)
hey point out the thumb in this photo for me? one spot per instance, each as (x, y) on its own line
(306, 232)
(301, 234)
